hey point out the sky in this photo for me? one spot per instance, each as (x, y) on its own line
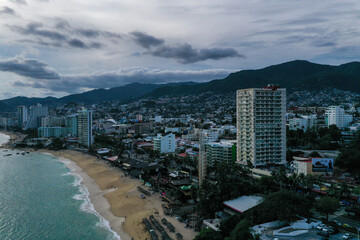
(58, 47)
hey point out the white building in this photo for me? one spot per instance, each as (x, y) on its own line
(211, 135)
(303, 122)
(158, 119)
(85, 127)
(261, 126)
(36, 113)
(165, 144)
(335, 115)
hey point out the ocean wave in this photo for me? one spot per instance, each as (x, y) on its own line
(87, 206)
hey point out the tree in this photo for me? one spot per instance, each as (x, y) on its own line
(327, 205)
(283, 205)
(314, 154)
(241, 231)
(208, 234)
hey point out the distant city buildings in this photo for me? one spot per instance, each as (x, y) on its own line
(303, 122)
(335, 115)
(261, 126)
(35, 115)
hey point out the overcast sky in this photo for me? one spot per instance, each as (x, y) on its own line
(57, 47)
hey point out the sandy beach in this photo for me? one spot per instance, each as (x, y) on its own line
(114, 196)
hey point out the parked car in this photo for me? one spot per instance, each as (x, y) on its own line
(347, 236)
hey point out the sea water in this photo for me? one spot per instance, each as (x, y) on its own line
(41, 200)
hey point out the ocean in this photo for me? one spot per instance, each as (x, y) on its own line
(40, 199)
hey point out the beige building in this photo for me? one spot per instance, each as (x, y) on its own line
(261, 126)
(303, 165)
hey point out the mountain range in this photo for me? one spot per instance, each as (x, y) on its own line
(296, 75)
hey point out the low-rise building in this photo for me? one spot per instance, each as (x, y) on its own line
(165, 144)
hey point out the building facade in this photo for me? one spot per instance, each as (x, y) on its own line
(165, 144)
(335, 115)
(261, 126)
(22, 116)
(71, 124)
(220, 152)
(85, 127)
(52, 132)
(35, 115)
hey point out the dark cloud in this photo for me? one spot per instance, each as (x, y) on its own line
(28, 68)
(7, 11)
(58, 32)
(80, 44)
(183, 53)
(77, 43)
(37, 29)
(18, 1)
(146, 40)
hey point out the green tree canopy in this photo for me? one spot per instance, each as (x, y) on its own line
(327, 205)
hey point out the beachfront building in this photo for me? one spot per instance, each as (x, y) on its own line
(52, 121)
(220, 152)
(36, 113)
(165, 144)
(335, 115)
(52, 132)
(85, 127)
(71, 124)
(261, 126)
(22, 116)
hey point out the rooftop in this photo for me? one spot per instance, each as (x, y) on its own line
(243, 203)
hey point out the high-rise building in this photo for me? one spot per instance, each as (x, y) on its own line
(220, 152)
(71, 124)
(85, 127)
(202, 162)
(52, 121)
(335, 115)
(36, 113)
(22, 116)
(261, 125)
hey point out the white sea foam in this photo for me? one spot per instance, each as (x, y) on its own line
(4, 139)
(86, 204)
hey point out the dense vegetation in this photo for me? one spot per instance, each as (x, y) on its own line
(349, 156)
(313, 138)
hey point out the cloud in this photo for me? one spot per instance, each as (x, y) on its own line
(146, 40)
(28, 67)
(7, 11)
(63, 34)
(18, 1)
(41, 76)
(183, 53)
(37, 29)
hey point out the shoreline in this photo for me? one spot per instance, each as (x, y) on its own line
(99, 206)
(113, 195)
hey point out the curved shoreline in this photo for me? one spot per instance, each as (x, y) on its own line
(114, 196)
(84, 189)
